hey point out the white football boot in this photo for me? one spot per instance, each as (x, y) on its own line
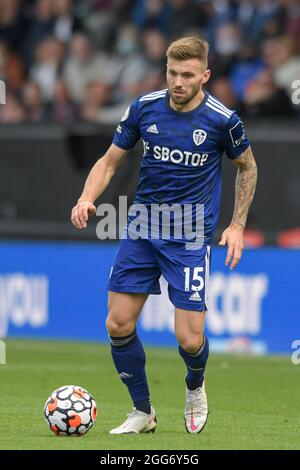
(196, 409)
(137, 422)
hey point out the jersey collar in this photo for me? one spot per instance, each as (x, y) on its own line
(186, 113)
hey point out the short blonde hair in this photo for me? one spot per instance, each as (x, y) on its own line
(189, 48)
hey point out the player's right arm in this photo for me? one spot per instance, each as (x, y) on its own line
(97, 181)
(126, 136)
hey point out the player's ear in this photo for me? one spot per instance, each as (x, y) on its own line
(206, 76)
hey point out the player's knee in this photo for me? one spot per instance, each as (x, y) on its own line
(191, 344)
(119, 326)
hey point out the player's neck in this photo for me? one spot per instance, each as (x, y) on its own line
(192, 104)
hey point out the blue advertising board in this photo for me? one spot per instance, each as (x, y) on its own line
(59, 290)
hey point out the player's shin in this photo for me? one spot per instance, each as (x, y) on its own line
(129, 358)
(195, 364)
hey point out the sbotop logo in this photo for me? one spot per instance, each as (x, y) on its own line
(2, 92)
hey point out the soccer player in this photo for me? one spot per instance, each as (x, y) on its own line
(185, 132)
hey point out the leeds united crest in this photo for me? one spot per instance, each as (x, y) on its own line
(199, 136)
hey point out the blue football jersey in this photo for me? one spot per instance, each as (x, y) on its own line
(183, 151)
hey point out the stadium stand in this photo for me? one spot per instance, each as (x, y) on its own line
(87, 59)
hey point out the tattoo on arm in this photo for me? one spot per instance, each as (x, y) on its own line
(245, 185)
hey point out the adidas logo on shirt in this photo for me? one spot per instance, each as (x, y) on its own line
(152, 129)
(195, 296)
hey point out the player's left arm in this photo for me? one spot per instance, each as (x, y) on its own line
(245, 185)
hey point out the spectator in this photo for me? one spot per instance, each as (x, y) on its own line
(97, 95)
(256, 18)
(245, 68)
(185, 14)
(13, 23)
(152, 14)
(264, 98)
(13, 112)
(83, 66)
(280, 55)
(33, 102)
(48, 60)
(130, 65)
(100, 20)
(222, 89)
(65, 23)
(292, 19)
(41, 28)
(11, 68)
(155, 46)
(62, 108)
(227, 47)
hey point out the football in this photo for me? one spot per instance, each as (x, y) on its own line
(70, 411)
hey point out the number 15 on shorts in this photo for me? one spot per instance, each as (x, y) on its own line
(193, 279)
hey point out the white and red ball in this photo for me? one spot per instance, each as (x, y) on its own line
(70, 411)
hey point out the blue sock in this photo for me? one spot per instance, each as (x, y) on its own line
(129, 358)
(195, 364)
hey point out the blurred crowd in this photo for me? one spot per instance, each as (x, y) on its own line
(66, 60)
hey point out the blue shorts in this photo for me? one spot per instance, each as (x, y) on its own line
(140, 263)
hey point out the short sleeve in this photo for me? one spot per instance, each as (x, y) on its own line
(234, 140)
(127, 133)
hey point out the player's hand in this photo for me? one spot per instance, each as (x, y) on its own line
(234, 237)
(81, 213)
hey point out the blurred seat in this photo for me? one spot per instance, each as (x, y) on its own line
(289, 238)
(253, 238)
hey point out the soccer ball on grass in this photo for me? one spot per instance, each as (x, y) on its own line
(70, 411)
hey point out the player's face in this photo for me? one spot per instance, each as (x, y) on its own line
(185, 79)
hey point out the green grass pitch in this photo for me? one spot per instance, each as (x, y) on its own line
(253, 401)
